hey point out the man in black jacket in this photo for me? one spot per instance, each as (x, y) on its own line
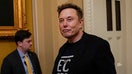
(15, 62)
(82, 53)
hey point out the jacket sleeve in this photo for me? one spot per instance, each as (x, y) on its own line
(6, 67)
(105, 60)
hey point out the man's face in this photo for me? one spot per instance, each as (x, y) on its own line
(69, 23)
(26, 44)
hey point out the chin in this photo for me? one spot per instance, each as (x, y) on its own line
(67, 36)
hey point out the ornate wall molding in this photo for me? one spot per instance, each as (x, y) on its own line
(88, 15)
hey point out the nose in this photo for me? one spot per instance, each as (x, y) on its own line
(65, 23)
(31, 43)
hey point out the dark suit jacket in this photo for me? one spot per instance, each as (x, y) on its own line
(92, 55)
(12, 64)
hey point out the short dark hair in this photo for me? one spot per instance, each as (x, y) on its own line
(73, 6)
(20, 35)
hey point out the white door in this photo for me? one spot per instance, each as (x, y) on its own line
(95, 22)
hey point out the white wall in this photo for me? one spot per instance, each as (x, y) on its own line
(129, 35)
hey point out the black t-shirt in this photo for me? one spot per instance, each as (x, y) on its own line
(66, 57)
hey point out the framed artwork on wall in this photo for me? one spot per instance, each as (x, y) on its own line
(12, 17)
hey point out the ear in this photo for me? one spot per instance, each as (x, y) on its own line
(19, 43)
(81, 23)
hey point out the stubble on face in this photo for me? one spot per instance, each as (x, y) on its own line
(25, 45)
(69, 23)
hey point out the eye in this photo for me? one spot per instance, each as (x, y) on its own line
(69, 19)
(61, 20)
(29, 41)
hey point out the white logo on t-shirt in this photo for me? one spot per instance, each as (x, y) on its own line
(62, 64)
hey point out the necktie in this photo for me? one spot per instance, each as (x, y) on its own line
(29, 68)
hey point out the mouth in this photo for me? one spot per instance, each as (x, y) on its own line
(66, 30)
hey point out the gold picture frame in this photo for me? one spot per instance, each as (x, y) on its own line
(19, 19)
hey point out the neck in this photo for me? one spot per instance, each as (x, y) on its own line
(19, 48)
(76, 37)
